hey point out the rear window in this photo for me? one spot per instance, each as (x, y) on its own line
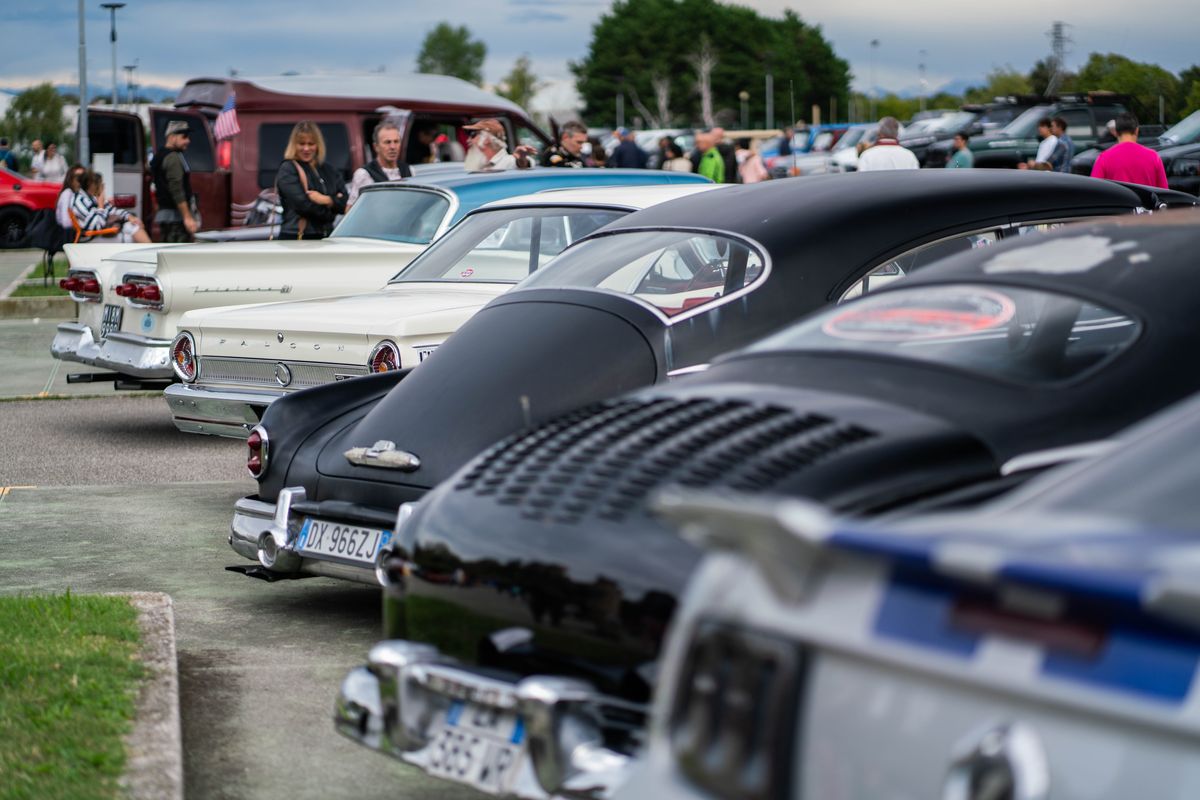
(1016, 335)
(273, 139)
(395, 214)
(505, 245)
(673, 271)
(120, 136)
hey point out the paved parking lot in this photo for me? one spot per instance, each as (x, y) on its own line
(102, 494)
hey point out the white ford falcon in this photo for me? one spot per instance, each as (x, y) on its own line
(233, 362)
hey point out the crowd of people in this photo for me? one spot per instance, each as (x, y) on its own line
(312, 193)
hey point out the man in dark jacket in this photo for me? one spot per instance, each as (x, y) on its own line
(176, 216)
(627, 153)
(386, 165)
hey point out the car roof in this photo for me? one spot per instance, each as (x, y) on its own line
(633, 197)
(780, 213)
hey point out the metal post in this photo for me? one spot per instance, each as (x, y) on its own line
(744, 96)
(84, 156)
(871, 89)
(621, 109)
(112, 9)
(770, 100)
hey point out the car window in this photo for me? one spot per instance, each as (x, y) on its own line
(119, 136)
(504, 245)
(916, 258)
(673, 271)
(273, 139)
(395, 214)
(1025, 126)
(1017, 335)
(1079, 123)
(1104, 113)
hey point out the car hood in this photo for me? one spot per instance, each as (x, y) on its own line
(555, 514)
(204, 255)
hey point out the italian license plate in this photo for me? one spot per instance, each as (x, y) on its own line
(424, 352)
(335, 540)
(477, 745)
(111, 321)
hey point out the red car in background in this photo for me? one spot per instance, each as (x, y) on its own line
(20, 197)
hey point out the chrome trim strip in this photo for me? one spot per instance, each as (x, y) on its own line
(1038, 459)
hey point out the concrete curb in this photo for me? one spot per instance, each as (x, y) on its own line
(154, 768)
(12, 287)
(53, 307)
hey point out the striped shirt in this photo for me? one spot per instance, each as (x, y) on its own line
(93, 217)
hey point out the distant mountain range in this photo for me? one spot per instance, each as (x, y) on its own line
(155, 94)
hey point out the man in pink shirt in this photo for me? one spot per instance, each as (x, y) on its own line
(1129, 161)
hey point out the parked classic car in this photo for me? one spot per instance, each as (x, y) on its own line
(942, 389)
(661, 292)
(389, 225)
(235, 361)
(1046, 645)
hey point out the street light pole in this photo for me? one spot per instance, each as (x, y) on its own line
(924, 83)
(871, 88)
(84, 145)
(112, 9)
(744, 96)
(130, 94)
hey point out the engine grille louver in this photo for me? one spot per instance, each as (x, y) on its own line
(604, 460)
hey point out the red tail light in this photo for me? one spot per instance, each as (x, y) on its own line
(70, 284)
(150, 293)
(89, 286)
(225, 154)
(126, 290)
(385, 357)
(256, 458)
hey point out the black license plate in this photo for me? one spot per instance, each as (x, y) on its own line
(111, 321)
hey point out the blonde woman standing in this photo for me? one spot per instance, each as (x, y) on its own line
(311, 191)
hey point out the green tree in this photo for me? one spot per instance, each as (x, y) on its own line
(520, 85)
(1145, 83)
(1001, 82)
(1189, 89)
(650, 51)
(449, 50)
(36, 113)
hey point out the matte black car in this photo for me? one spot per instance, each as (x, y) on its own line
(538, 558)
(655, 294)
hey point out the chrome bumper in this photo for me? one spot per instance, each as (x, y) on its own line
(219, 412)
(392, 703)
(73, 341)
(260, 532)
(140, 356)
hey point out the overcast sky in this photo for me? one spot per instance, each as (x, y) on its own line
(173, 40)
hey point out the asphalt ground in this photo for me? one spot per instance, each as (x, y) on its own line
(103, 495)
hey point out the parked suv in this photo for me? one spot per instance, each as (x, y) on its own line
(1086, 116)
(974, 118)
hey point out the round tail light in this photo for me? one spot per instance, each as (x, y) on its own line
(183, 357)
(126, 290)
(256, 458)
(385, 357)
(149, 292)
(90, 286)
(70, 284)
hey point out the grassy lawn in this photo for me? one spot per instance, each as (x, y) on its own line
(68, 686)
(36, 289)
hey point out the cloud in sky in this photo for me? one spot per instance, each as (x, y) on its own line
(173, 40)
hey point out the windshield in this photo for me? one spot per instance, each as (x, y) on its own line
(953, 123)
(1025, 125)
(1018, 335)
(1186, 131)
(396, 214)
(504, 245)
(849, 138)
(674, 271)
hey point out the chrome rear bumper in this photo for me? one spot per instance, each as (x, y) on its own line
(393, 702)
(140, 356)
(260, 532)
(219, 412)
(73, 341)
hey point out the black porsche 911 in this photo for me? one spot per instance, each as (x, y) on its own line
(656, 294)
(537, 564)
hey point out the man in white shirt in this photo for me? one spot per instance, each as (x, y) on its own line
(887, 153)
(386, 166)
(1045, 150)
(35, 163)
